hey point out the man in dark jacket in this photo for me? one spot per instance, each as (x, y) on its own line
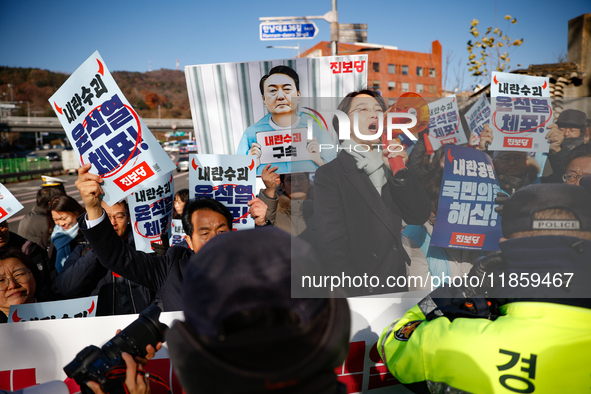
(203, 219)
(84, 275)
(34, 225)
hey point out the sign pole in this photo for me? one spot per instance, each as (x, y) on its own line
(334, 30)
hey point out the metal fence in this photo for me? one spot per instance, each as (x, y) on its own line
(23, 169)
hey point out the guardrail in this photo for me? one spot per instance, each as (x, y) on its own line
(23, 169)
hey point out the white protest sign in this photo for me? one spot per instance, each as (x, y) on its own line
(67, 309)
(9, 205)
(283, 145)
(45, 347)
(177, 233)
(477, 116)
(229, 179)
(521, 112)
(151, 211)
(105, 130)
(445, 126)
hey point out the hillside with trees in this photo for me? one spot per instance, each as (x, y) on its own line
(145, 91)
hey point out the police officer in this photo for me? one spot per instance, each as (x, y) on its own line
(529, 332)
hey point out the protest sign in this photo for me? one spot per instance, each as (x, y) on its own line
(105, 130)
(229, 179)
(521, 112)
(9, 205)
(282, 146)
(466, 216)
(477, 116)
(45, 347)
(230, 106)
(445, 126)
(151, 211)
(67, 309)
(177, 233)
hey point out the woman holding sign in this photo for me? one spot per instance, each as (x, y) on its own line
(360, 204)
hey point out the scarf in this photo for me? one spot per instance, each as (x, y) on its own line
(370, 162)
(61, 240)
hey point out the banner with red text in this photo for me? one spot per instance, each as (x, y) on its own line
(104, 129)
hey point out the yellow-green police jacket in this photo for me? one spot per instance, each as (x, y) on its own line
(534, 347)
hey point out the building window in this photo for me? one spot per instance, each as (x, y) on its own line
(391, 69)
(376, 67)
(391, 85)
(432, 73)
(405, 87)
(404, 70)
(419, 71)
(419, 88)
(376, 85)
(432, 89)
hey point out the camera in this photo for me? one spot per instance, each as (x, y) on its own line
(104, 365)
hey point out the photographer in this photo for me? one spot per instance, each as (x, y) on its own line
(244, 333)
(522, 337)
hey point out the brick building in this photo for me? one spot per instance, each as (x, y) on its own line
(393, 71)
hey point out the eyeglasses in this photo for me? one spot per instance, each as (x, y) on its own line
(365, 110)
(516, 159)
(119, 217)
(572, 178)
(299, 179)
(20, 277)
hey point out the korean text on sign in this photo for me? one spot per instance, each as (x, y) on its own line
(283, 146)
(466, 216)
(106, 132)
(151, 212)
(445, 126)
(521, 112)
(347, 67)
(229, 179)
(478, 116)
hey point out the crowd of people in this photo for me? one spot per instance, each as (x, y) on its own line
(355, 216)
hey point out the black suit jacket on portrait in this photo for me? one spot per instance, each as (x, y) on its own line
(358, 231)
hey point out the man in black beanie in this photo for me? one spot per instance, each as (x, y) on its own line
(244, 333)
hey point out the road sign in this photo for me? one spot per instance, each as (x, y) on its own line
(287, 30)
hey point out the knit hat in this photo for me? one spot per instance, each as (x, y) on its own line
(520, 209)
(572, 118)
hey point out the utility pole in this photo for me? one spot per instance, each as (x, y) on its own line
(334, 29)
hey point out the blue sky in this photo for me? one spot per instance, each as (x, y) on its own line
(59, 36)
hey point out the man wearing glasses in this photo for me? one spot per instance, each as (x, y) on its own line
(84, 275)
(578, 164)
(513, 170)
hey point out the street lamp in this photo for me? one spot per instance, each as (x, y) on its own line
(286, 47)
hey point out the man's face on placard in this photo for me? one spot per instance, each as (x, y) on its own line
(280, 94)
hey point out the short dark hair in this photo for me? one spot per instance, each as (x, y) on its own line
(46, 194)
(345, 105)
(64, 204)
(182, 194)
(193, 206)
(290, 72)
(583, 150)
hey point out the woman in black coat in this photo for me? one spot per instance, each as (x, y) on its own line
(360, 204)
